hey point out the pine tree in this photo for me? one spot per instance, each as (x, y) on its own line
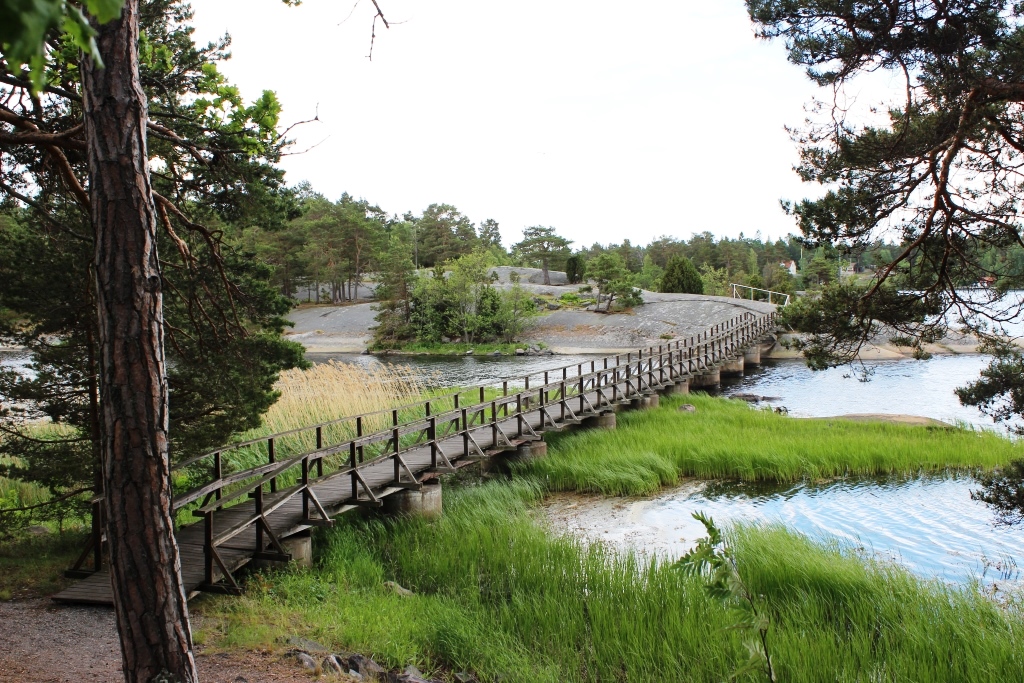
(681, 276)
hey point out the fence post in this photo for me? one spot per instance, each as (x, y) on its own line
(272, 459)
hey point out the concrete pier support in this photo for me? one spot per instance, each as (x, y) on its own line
(708, 379)
(644, 402)
(423, 503)
(299, 546)
(532, 450)
(733, 367)
(602, 421)
(679, 388)
(752, 356)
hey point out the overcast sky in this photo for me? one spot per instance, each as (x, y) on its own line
(605, 120)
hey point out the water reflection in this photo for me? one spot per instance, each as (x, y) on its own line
(928, 524)
(913, 387)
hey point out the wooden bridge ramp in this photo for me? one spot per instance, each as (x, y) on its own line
(245, 514)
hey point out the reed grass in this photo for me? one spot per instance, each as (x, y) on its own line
(498, 594)
(727, 439)
(326, 392)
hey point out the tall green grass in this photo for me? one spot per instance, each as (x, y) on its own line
(498, 594)
(726, 439)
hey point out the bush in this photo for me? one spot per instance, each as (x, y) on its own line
(681, 276)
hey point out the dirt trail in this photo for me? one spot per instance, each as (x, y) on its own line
(41, 642)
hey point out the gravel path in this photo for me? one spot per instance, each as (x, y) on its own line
(41, 642)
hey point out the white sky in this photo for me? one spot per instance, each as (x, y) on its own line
(605, 120)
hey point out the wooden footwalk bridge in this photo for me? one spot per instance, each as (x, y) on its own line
(250, 497)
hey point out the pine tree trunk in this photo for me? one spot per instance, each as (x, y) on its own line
(145, 569)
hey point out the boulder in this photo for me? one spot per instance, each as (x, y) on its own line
(520, 352)
(305, 661)
(304, 644)
(331, 664)
(470, 352)
(496, 353)
(687, 408)
(364, 666)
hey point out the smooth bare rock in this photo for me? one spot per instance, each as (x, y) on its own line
(687, 408)
(520, 352)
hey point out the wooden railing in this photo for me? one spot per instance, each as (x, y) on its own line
(447, 427)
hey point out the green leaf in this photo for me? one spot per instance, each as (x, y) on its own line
(105, 10)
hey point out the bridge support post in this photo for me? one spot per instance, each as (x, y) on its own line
(679, 388)
(299, 546)
(711, 378)
(734, 367)
(752, 356)
(532, 450)
(426, 502)
(602, 421)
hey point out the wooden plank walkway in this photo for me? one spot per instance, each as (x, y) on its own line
(242, 520)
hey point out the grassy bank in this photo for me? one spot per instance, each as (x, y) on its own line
(727, 440)
(498, 594)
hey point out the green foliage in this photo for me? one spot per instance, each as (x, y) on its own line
(223, 319)
(727, 439)
(541, 244)
(1003, 489)
(650, 275)
(461, 303)
(608, 271)
(714, 281)
(26, 24)
(841, 318)
(681, 276)
(442, 233)
(714, 559)
(958, 81)
(575, 269)
(498, 594)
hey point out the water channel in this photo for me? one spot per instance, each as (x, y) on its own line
(928, 524)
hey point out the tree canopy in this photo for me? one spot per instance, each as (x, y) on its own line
(938, 171)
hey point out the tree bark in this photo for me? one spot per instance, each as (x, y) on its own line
(145, 568)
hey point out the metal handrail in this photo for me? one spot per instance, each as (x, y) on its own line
(781, 295)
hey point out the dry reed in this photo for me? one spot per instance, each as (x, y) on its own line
(331, 391)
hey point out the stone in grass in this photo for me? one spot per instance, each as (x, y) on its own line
(687, 408)
(395, 588)
(520, 352)
(470, 352)
(305, 644)
(332, 665)
(306, 662)
(365, 666)
(465, 677)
